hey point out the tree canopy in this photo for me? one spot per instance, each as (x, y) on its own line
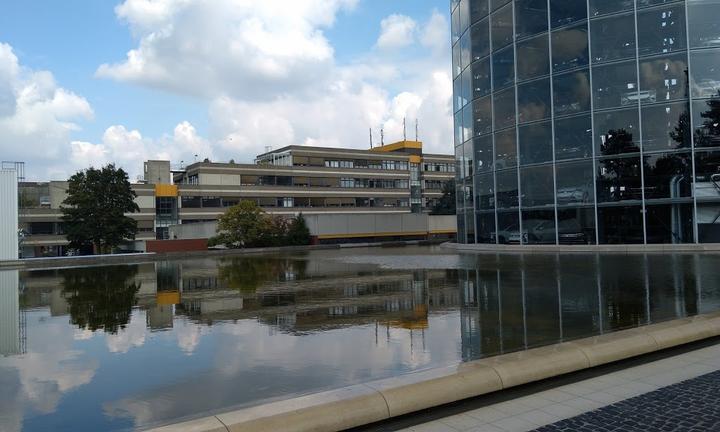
(446, 203)
(94, 212)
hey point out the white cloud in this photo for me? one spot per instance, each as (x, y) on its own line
(396, 31)
(435, 33)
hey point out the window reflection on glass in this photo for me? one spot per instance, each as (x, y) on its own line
(469, 154)
(707, 122)
(570, 48)
(481, 78)
(575, 183)
(663, 79)
(501, 24)
(485, 191)
(466, 86)
(669, 224)
(705, 73)
(467, 123)
(533, 58)
(508, 231)
(478, 10)
(708, 222)
(455, 25)
(620, 225)
(535, 143)
(615, 85)
(576, 225)
(564, 12)
(704, 30)
(666, 127)
(496, 4)
(571, 93)
(617, 132)
(465, 54)
(573, 137)
(507, 188)
(661, 30)
(464, 9)
(619, 179)
(537, 186)
(531, 17)
(613, 38)
(668, 175)
(483, 153)
(504, 107)
(480, 39)
(505, 149)
(458, 129)
(707, 175)
(602, 7)
(486, 227)
(457, 63)
(534, 101)
(483, 115)
(503, 68)
(539, 227)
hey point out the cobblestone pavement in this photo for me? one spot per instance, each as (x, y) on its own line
(689, 406)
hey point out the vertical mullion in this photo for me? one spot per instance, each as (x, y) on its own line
(592, 128)
(552, 123)
(691, 121)
(640, 126)
(517, 123)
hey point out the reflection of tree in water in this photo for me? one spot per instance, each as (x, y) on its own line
(247, 274)
(101, 297)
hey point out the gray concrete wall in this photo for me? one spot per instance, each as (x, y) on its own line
(8, 215)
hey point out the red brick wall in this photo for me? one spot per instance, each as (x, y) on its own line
(159, 246)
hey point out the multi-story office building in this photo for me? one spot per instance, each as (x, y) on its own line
(392, 179)
(587, 121)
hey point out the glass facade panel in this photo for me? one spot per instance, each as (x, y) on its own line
(538, 186)
(503, 68)
(619, 180)
(535, 143)
(501, 24)
(505, 149)
(539, 227)
(480, 40)
(564, 12)
(666, 127)
(504, 108)
(613, 38)
(573, 137)
(531, 17)
(533, 58)
(482, 114)
(617, 132)
(662, 30)
(507, 188)
(534, 101)
(570, 48)
(668, 175)
(587, 121)
(704, 26)
(571, 92)
(575, 183)
(615, 85)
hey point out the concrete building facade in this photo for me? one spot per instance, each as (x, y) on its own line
(395, 179)
(587, 121)
(8, 214)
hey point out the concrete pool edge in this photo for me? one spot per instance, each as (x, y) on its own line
(380, 400)
(542, 249)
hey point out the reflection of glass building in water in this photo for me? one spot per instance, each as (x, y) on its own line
(587, 121)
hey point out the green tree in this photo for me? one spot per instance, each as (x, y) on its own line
(94, 213)
(446, 204)
(241, 226)
(298, 233)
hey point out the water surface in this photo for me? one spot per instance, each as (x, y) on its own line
(123, 347)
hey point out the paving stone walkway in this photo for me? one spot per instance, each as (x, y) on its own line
(678, 393)
(690, 406)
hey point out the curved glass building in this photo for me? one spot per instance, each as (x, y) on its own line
(587, 121)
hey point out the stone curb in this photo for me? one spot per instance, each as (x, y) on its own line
(380, 400)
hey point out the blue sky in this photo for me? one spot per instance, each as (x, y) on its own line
(339, 63)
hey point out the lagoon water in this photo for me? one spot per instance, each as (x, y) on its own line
(135, 346)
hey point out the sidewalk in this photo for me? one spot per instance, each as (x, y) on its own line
(551, 408)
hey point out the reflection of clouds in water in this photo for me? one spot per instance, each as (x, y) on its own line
(407, 262)
(84, 334)
(41, 379)
(132, 336)
(189, 335)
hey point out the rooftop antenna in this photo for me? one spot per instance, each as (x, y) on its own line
(404, 130)
(371, 142)
(416, 130)
(382, 137)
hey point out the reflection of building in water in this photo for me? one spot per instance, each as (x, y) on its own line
(11, 331)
